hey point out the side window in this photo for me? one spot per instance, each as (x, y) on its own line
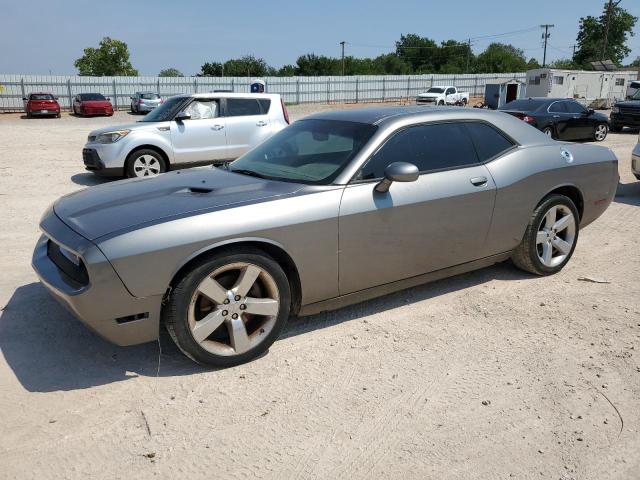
(450, 91)
(488, 141)
(240, 107)
(558, 107)
(202, 109)
(265, 103)
(429, 147)
(574, 107)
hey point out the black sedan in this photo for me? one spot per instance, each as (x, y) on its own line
(560, 118)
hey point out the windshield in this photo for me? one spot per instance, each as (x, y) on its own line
(526, 105)
(91, 96)
(166, 111)
(41, 96)
(435, 90)
(309, 151)
(636, 96)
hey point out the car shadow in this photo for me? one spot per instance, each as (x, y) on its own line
(49, 350)
(628, 193)
(89, 179)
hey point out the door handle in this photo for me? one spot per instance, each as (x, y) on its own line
(556, 116)
(261, 123)
(217, 127)
(478, 181)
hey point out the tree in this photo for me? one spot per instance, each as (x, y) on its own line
(247, 65)
(591, 36)
(211, 69)
(316, 65)
(564, 63)
(391, 64)
(500, 58)
(111, 58)
(635, 63)
(417, 51)
(170, 72)
(287, 71)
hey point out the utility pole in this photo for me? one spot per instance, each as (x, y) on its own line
(468, 54)
(342, 43)
(545, 37)
(610, 6)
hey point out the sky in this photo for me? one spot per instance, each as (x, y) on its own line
(40, 36)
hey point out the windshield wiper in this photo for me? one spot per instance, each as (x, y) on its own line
(250, 173)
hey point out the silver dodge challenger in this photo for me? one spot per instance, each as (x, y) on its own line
(335, 209)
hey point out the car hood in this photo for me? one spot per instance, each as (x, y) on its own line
(126, 126)
(628, 103)
(122, 205)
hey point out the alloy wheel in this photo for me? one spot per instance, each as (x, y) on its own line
(146, 166)
(548, 132)
(556, 235)
(234, 309)
(600, 132)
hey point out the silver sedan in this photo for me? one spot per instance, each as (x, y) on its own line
(335, 209)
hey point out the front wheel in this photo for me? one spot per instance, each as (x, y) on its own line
(145, 163)
(548, 131)
(550, 238)
(441, 103)
(600, 132)
(229, 308)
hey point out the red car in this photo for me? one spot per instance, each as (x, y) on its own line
(92, 104)
(41, 103)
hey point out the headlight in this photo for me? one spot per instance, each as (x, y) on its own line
(615, 109)
(112, 137)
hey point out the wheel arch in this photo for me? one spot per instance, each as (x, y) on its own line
(570, 191)
(146, 146)
(269, 247)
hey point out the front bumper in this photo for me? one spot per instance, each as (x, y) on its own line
(426, 100)
(635, 160)
(625, 119)
(93, 163)
(44, 111)
(102, 303)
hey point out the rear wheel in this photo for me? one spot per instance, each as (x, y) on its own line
(145, 163)
(600, 132)
(550, 238)
(548, 131)
(229, 308)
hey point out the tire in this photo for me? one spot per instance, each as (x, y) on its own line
(441, 103)
(600, 132)
(29, 115)
(187, 308)
(145, 163)
(616, 128)
(548, 131)
(529, 254)
(464, 101)
(58, 115)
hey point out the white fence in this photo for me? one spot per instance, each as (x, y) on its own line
(294, 90)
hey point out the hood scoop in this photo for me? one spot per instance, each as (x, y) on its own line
(196, 190)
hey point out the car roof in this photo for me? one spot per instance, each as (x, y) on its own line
(396, 117)
(41, 93)
(233, 95)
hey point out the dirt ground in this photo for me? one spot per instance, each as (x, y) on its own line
(493, 374)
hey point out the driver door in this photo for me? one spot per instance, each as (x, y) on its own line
(438, 221)
(201, 138)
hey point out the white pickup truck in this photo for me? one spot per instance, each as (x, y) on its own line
(442, 95)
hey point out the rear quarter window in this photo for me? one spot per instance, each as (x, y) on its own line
(240, 107)
(489, 143)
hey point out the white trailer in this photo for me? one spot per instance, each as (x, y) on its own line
(595, 89)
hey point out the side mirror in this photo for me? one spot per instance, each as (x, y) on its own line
(108, 99)
(24, 98)
(397, 172)
(182, 116)
(56, 98)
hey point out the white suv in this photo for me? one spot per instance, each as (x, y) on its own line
(185, 131)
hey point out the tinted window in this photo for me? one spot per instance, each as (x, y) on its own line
(91, 96)
(435, 90)
(558, 107)
(238, 107)
(574, 107)
(166, 111)
(41, 96)
(429, 147)
(265, 103)
(308, 151)
(488, 142)
(525, 105)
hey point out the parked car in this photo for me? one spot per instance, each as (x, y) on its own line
(86, 104)
(143, 102)
(41, 103)
(446, 95)
(337, 208)
(632, 88)
(626, 113)
(186, 131)
(560, 118)
(635, 159)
